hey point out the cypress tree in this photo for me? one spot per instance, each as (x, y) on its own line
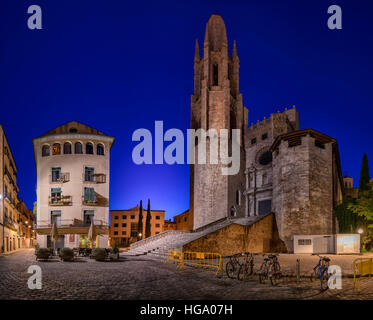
(139, 225)
(364, 174)
(148, 225)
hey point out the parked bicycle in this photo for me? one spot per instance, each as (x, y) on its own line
(270, 268)
(320, 271)
(233, 265)
(247, 268)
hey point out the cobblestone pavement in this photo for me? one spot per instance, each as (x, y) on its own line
(144, 278)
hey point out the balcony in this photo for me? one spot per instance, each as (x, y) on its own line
(72, 226)
(11, 201)
(99, 201)
(94, 178)
(60, 201)
(62, 178)
(10, 223)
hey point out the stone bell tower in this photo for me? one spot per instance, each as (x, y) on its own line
(217, 104)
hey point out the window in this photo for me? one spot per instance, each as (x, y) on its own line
(56, 174)
(78, 148)
(56, 217)
(115, 233)
(253, 141)
(238, 197)
(89, 195)
(116, 217)
(133, 229)
(67, 148)
(304, 242)
(319, 144)
(56, 149)
(124, 233)
(89, 148)
(185, 219)
(157, 225)
(124, 217)
(265, 158)
(124, 225)
(215, 71)
(56, 195)
(264, 136)
(264, 206)
(73, 130)
(116, 225)
(89, 174)
(158, 217)
(45, 151)
(132, 217)
(88, 216)
(100, 150)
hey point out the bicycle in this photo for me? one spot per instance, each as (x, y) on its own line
(320, 271)
(270, 268)
(232, 266)
(247, 268)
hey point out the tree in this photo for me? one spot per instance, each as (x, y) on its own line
(347, 219)
(148, 225)
(139, 225)
(363, 206)
(364, 174)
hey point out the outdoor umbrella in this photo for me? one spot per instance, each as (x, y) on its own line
(54, 235)
(92, 233)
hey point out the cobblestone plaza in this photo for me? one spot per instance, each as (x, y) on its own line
(140, 278)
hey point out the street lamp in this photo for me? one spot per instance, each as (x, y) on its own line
(360, 231)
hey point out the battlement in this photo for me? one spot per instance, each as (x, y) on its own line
(291, 114)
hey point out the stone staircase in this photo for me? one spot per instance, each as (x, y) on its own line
(157, 246)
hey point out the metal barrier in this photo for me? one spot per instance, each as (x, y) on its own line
(203, 259)
(176, 256)
(363, 268)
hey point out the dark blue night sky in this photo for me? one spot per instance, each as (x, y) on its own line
(119, 65)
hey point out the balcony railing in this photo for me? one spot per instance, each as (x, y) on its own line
(10, 223)
(62, 178)
(67, 223)
(94, 178)
(60, 201)
(98, 201)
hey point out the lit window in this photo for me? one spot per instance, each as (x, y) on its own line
(56, 149)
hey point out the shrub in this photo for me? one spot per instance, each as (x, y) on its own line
(43, 254)
(99, 254)
(67, 254)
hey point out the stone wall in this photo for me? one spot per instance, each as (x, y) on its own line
(259, 237)
(303, 189)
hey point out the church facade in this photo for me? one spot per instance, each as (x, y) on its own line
(290, 172)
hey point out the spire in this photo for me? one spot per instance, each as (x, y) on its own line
(216, 33)
(234, 50)
(196, 53)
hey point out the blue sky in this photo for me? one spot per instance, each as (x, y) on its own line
(119, 66)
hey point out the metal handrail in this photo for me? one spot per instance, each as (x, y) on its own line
(70, 223)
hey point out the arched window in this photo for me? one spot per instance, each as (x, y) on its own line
(45, 151)
(265, 158)
(233, 212)
(100, 149)
(89, 148)
(215, 75)
(56, 149)
(78, 148)
(67, 148)
(73, 130)
(238, 197)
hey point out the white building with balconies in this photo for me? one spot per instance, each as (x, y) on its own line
(73, 174)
